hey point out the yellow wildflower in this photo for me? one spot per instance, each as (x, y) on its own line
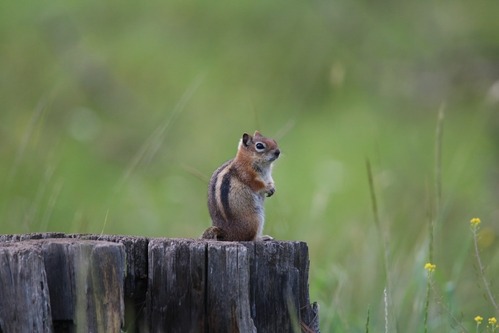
(478, 320)
(492, 321)
(430, 267)
(475, 222)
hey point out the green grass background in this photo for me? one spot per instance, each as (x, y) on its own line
(115, 113)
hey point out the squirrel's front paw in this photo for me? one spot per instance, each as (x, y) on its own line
(270, 191)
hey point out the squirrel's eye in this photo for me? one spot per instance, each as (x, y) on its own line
(260, 146)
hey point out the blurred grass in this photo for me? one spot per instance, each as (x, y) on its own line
(96, 136)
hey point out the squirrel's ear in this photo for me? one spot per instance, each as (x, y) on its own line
(246, 139)
(257, 133)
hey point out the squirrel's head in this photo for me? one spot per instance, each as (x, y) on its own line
(261, 149)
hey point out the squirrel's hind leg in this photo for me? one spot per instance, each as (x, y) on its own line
(214, 233)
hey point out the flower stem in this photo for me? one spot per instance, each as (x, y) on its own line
(482, 271)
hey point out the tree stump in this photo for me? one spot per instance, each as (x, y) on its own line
(105, 283)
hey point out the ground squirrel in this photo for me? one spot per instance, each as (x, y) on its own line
(238, 188)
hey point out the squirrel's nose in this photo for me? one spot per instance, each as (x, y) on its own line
(277, 153)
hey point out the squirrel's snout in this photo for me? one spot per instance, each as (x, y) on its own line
(277, 153)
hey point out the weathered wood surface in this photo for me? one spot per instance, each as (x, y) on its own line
(104, 283)
(61, 285)
(24, 298)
